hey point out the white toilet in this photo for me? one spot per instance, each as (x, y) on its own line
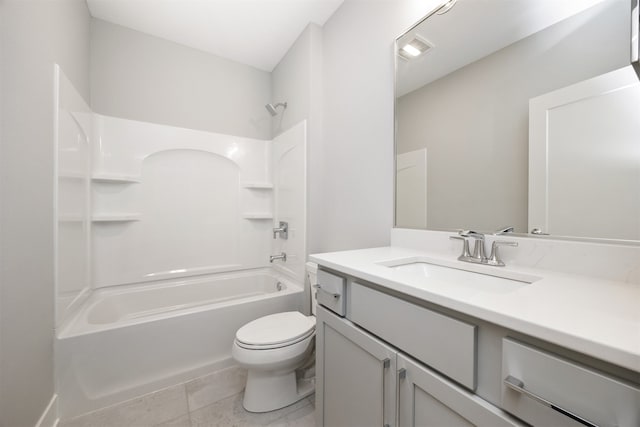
(275, 349)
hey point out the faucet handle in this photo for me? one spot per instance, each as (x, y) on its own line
(472, 234)
(479, 254)
(494, 258)
(283, 230)
(503, 230)
(466, 254)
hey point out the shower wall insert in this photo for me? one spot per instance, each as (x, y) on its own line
(143, 205)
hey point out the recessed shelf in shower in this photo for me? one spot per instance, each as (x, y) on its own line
(70, 218)
(258, 185)
(70, 175)
(121, 217)
(115, 179)
(257, 215)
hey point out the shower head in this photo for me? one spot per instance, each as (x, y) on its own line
(271, 108)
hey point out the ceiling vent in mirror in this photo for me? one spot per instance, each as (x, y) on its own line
(414, 48)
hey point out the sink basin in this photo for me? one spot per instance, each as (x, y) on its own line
(473, 277)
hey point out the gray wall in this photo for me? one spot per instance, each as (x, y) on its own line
(292, 80)
(355, 205)
(34, 34)
(141, 77)
(297, 79)
(474, 121)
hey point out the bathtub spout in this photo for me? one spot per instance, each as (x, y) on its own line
(282, 256)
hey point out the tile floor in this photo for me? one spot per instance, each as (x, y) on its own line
(214, 400)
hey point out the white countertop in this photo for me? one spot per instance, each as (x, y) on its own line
(597, 317)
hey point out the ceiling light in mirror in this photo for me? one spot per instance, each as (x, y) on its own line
(414, 48)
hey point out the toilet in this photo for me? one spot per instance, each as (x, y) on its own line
(278, 352)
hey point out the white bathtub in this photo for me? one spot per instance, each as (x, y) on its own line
(131, 340)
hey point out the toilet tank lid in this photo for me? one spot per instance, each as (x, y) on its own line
(276, 328)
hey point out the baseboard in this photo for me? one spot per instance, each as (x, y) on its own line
(49, 417)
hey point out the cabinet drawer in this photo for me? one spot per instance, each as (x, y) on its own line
(330, 291)
(544, 389)
(448, 345)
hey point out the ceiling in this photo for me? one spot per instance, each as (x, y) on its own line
(253, 32)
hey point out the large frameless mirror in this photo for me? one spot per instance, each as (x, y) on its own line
(521, 113)
(635, 35)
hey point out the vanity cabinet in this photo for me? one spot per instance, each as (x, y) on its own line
(384, 359)
(426, 398)
(547, 390)
(363, 381)
(442, 342)
(356, 373)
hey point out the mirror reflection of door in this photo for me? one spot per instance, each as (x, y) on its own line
(584, 162)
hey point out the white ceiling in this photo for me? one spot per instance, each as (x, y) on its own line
(252, 32)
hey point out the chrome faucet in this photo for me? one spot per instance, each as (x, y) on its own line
(466, 255)
(282, 256)
(479, 254)
(494, 259)
(283, 230)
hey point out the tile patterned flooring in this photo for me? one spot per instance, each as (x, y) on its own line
(211, 401)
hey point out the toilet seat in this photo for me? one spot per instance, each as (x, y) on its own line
(275, 331)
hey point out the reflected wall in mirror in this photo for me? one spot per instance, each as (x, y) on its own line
(462, 109)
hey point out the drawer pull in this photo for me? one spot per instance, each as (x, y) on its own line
(331, 294)
(517, 385)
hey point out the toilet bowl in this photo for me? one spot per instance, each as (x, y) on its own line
(274, 349)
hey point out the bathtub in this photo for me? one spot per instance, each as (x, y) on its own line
(130, 340)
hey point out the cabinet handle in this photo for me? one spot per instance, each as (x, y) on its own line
(402, 374)
(331, 294)
(386, 363)
(517, 385)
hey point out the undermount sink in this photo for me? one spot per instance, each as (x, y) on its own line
(476, 277)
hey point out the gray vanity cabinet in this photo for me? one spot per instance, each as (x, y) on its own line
(362, 381)
(393, 360)
(426, 398)
(356, 374)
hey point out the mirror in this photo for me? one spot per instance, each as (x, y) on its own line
(464, 87)
(635, 35)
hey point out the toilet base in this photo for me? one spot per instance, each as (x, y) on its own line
(265, 393)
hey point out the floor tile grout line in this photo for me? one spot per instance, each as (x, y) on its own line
(272, 422)
(291, 412)
(284, 417)
(186, 398)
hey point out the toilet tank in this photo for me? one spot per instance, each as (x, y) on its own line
(312, 278)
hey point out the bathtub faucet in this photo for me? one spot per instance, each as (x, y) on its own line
(282, 256)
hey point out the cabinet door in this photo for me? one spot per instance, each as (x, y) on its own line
(428, 399)
(356, 379)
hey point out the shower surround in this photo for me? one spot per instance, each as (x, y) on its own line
(163, 237)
